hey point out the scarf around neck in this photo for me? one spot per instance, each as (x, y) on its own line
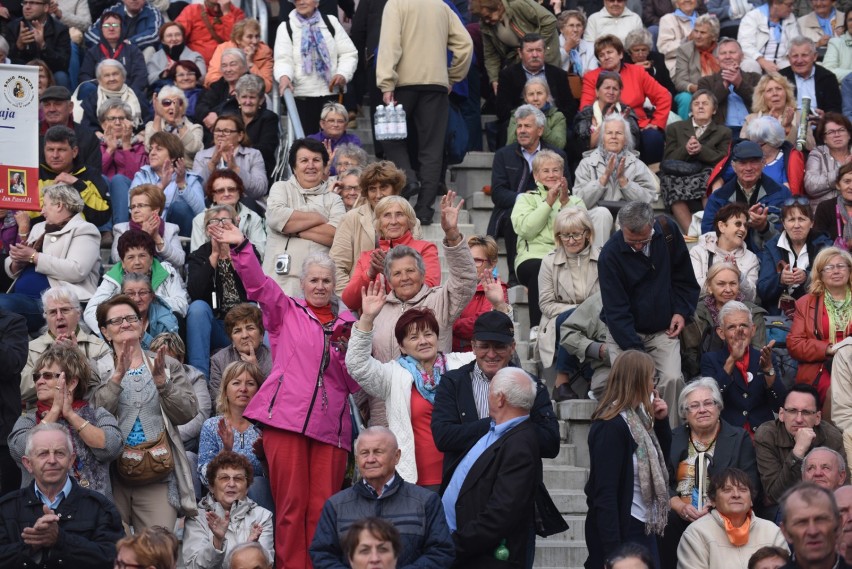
(49, 228)
(738, 536)
(708, 61)
(173, 53)
(125, 94)
(425, 382)
(653, 475)
(839, 314)
(597, 111)
(315, 57)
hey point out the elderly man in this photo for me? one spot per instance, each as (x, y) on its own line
(782, 445)
(55, 522)
(824, 467)
(140, 24)
(415, 511)
(843, 496)
(763, 196)
(765, 33)
(732, 86)
(811, 524)
(57, 109)
(250, 555)
(811, 80)
(824, 23)
(614, 18)
(13, 356)
(208, 24)
(38, 35)
(748, 382)
(648, 290)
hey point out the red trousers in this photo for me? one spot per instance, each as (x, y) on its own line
(303, 474)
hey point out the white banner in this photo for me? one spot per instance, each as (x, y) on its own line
(19, 107)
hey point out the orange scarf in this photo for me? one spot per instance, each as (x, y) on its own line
(709, 63)
(737, 536)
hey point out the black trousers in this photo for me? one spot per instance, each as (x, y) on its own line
(528, 276)
(310, 109)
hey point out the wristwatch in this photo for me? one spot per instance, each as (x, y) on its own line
(770, 373)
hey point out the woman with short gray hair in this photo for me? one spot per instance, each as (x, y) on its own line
(111, 84)
(695, 59)
(333, 121)
(262, 125)
(246, 37)
(220, 95)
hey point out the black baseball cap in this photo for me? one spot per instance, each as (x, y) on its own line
(494, 326)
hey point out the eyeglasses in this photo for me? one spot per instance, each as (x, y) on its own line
(119, 564)
(185, 75)
(642, 242)
(48, 375)
(138, 293)
(226, 190)
(169, 102)
(136, 206)
(478, 261)
(351, 188)
(335, 121)
(130, 319)
(497, 347)
(797, 201)
(113, 25)
(836, 132)
(838, 267)
(65, 311)
(805, 413)
(573, 236)
(693, 407)
(220, 221)
(237, 478)
(225, 131)
(115, 119)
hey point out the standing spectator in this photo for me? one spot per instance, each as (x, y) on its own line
(38, 35)
(411, 69)
(732, 86)
(765, 33)
(208, 25)
(13, 355)
(244, 36)
(614, 19)
(111, 45)
(141, 23)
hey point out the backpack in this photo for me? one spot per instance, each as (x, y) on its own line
(325, 19)
(455, 145)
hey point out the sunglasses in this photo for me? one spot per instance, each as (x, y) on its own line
(169, 102)
(797, 201)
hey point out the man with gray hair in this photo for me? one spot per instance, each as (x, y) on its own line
(811, 524)
(249, 555)
(824, 467)
(811, 80)
(648, 290)
(747, 379)
(732, 86)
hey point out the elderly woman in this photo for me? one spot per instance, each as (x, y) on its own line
(62, 312)
(639, 50)
(147, 203)
(731, 532)
(222, 93)
(372, 543)
(774, 96)
(628, 442)
(149, 395)
(170, 115)
(244, 328)
(838, 56)
(245, 35)
(824, 23)
(137, 252)
(727, 244)
(314, 61)
(230, 431)
(63, 249)
(225, 187)
(612, 172)
(348, 187)
(62, 375)
(231, 150)
(765, 33)
(152, 548)
(568, 276)
(262, 125)
(121, 155)
(823, 318)
(537, 93)
(832, 217)
(167, 170)
(638, 85)
(347, 156)
(302, 215)
(332, 133)
(704, 436)
(578, 55)
(676, 29)
(320, 435)
(395, 220)
(835, 130)
(112, 46)
(227, 517)
(695, 59)
(213, 289)
(693, 147)
(172, 50)
(786, 259)
(723, 284)
(111, 80)
(186, 76)
(587, 122)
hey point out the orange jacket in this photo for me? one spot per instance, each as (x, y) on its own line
(261, 65)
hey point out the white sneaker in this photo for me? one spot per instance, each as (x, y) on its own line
(533, 333)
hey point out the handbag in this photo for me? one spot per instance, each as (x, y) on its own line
(548, 520)
(681, 167)
(146, 463)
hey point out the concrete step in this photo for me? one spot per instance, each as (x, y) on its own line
(576, 530)
(576, 410)
(473, 173)
(565, 477)
(555, 552)
(569, 501)
(566, 457)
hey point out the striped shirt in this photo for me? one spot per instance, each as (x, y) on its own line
(480, 384)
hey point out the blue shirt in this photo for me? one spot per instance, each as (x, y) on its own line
(806, 87)
(451, 494)
(825, 23)
(59, 497)
(737, 110)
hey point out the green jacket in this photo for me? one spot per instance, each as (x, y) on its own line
(533, 221)
(555, 129)
(528, 17)
(158, 274)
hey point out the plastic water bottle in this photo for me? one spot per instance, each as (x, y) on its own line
(401, 126)
(381, 123)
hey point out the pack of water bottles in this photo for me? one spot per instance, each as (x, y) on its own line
(390, 122)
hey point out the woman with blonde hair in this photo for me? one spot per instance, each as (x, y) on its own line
(152, 548)
(774, 96)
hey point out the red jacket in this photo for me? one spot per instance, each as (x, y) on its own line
(198, 37)
(638, 84)
(463, 326)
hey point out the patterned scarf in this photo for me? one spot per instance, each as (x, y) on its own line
(653, 475)
(710, 303)
(426, 383)
(315, 57)
(839, 314)
(843, 214)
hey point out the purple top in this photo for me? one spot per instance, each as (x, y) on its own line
(123, 161)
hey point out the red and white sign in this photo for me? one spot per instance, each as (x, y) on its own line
(19, 137)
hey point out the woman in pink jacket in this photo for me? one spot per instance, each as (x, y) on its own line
(307, 431)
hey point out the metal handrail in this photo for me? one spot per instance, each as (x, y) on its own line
(294, 130)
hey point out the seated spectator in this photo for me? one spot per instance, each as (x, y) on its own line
(333, 119)
(225, 187)
(45, 78)
(171, 51)
(38, 35)
(774, 96)
(615, 18)
(213, 290)
(262, 125)
(61, 376)
(146, 205)
(171, 116)
(825, 160)
(824, 467)
(765, 33)
(612, 172)
(62, 313)
(153, 548)
(137, 252)
(226, 516)
(231, 150)
(347, 156)
(822, 24)
(32, 515)
(63, 249)
(222, 93)
(838, 56)
(250, 555)
(695, 59)
(782, 161)
(537, 94)
(832, 216)
(369, 537)
(56, 110)
(709, 543)
(638, 86)
(167, 170)
(726, 244)
(487, 297)
(348, 188)
(229, 431)
(425, 539)
(111, 79)
(141, 22)
(693, 148)
(639, 50)
(208, 24)
(676, 29)
(76, 15)
(787, 259)
(769, 558)
(742, 369)
(122, 155)
(186, 76)
(732, 86)
(781, 445)
(111, 45)
(244, 36)
(394, 223)
(583, 337)
(700, 336)
(244, 327)
(578, 55)
(587, 123)
(811, 80)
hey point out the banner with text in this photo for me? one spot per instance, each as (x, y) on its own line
(19, 137)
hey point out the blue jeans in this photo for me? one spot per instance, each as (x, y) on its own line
(181, 215)
(204, 333)
(74, 65)
(27, 306)
(119, 188)
(62, 79)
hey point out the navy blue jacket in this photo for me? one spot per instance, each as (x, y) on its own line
(14, 348)
(769, 287)
(753, 402)
(141, 30)
(641, 294)
(416, 512)
(127, 54)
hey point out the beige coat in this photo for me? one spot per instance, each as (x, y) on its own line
(285, 198)
(841, 396)
(673, 34)
(810, 28)
(705, 544)
(563, 284)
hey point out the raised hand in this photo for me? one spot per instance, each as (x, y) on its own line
(226, 433)
(493, 289)
(159, 371)
(228, 233)
(450, 216)
(373, 298)
(256, 531)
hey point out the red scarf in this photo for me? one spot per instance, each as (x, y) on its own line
(742, 365)
(323, 313)
(43, 408)
(709, 63)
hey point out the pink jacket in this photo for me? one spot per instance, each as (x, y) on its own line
(297, 396)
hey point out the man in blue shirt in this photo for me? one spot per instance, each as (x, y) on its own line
(732, 86)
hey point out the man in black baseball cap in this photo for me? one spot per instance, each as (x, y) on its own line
(57, 108)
